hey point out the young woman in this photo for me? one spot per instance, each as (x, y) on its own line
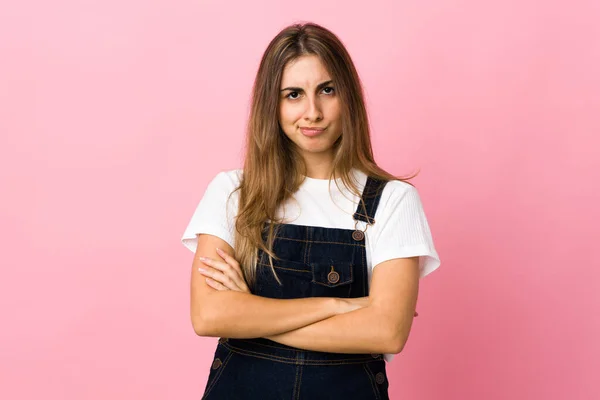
(307, 260)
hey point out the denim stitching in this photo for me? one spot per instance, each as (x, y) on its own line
(301, 368)
(288, 360)
(348, 282)
(296, 381)
(328, 285)
(285, 262)
(370, 201)
(218, 374)
(291, 269)
(363, 256)
(372, 380)
(307, 245)
(376, 199)
(312, 232)
(320, 241)
(363, 202)
(373, 206)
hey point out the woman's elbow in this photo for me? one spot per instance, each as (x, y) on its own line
(396, 346)
(395, 341)
(202, 322)
(199, 326)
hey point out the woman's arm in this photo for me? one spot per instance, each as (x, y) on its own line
(236, 314)
(359, 331)
(381, 327)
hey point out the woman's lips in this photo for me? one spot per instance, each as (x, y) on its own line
(310, 132)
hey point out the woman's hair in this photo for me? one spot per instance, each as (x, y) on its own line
(273, 167)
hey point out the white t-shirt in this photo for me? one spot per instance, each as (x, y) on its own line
(401, 228)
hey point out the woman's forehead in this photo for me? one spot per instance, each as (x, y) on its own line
(305, 71)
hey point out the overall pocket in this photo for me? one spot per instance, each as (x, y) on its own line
(332, 279)
(295, 278)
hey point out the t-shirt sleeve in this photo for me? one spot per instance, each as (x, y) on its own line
(404, 230)
(215, 213)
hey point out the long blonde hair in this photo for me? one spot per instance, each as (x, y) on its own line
(273, 167)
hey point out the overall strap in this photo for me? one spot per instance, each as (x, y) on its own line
(370, 197)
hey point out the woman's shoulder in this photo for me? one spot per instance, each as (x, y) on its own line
(223, 184)
(227, 178)
(395, 190)
(399, 186)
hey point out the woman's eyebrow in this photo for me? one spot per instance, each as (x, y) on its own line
(319, 86)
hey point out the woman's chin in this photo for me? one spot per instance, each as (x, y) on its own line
(317, 149)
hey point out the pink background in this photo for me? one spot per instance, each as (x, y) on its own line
(114, 115)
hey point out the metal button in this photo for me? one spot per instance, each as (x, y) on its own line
(333, 277)
(374, 355)
(358, 235)
(216, 364)
(380, 378)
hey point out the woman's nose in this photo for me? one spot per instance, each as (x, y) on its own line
(313, 111)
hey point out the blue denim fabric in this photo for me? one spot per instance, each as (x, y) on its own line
(315, 262)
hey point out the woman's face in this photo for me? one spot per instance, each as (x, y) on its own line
(308, 99)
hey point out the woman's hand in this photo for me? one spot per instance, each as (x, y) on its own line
(351, 304)
(224, 275)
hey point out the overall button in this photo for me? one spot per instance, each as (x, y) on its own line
(216, 364)
(374, 355)
(380, 378)
(358, 235)
(333, 277)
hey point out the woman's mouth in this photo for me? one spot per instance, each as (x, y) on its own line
(311, 132)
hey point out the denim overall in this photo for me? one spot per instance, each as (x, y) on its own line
(315, 262)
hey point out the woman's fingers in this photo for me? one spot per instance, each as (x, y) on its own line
(223, 273)
(215, 284)
(218, 277)
(233, 264)
(228, 272)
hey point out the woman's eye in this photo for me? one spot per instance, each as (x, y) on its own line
(296, 95)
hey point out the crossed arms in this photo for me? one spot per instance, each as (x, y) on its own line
(379, 323)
